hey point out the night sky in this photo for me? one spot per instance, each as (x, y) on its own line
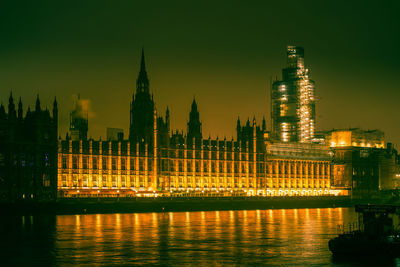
(224, 53)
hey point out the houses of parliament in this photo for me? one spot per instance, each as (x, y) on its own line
(155, 160)
(290, 159)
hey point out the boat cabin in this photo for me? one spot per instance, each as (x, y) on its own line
(378, 220)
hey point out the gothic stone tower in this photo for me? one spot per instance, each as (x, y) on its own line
(194, 125)
(141, 128)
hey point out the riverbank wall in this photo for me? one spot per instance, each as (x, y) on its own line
(178, 204)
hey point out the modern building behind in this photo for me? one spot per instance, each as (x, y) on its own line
(115, 134)
(293, 101)
(28, 153)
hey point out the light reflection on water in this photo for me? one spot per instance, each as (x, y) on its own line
(259, 237)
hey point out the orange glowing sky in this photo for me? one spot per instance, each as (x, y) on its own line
(222, 52)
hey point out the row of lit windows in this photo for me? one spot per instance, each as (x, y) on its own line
(207, 154)
(243, 180)
(179, 165)
(190, 154)
(113, 182)
(316, 169)
(172, 165)
(292, 168)
(102, 181)
(105, 163)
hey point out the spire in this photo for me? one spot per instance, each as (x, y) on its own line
(55, 104)
(167, 121)
(10, 99)
(142, 62)
(264, 126)
(194, 124)
(2, 112)
(194, 114)
(238, 128)
(142, 82)
(55, 109)
(194, 104)
(11, 107)
(37, 107)
(20, 109)
(167, 115)
(254, 127)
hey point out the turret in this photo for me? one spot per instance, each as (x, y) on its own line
(20, 109)
(37, 106)
(254, 126)
(264, 126)
(194, 124)
(238, 127)
(11, 108)
(2, 112)
(167, 119)
(55, 110)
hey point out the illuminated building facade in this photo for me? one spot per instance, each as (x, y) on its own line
(361, 162)
(28, 153)
(300, 168)
(355, 137)
(293, 101)
(155, 160)
(220, 167)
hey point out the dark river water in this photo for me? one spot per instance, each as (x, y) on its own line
(213, 238)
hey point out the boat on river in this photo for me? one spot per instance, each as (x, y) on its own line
(377, 232)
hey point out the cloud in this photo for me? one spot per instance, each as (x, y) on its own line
(83, 107)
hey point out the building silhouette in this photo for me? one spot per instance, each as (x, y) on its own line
(28, 153)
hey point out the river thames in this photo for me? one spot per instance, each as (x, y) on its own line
(212, 238)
